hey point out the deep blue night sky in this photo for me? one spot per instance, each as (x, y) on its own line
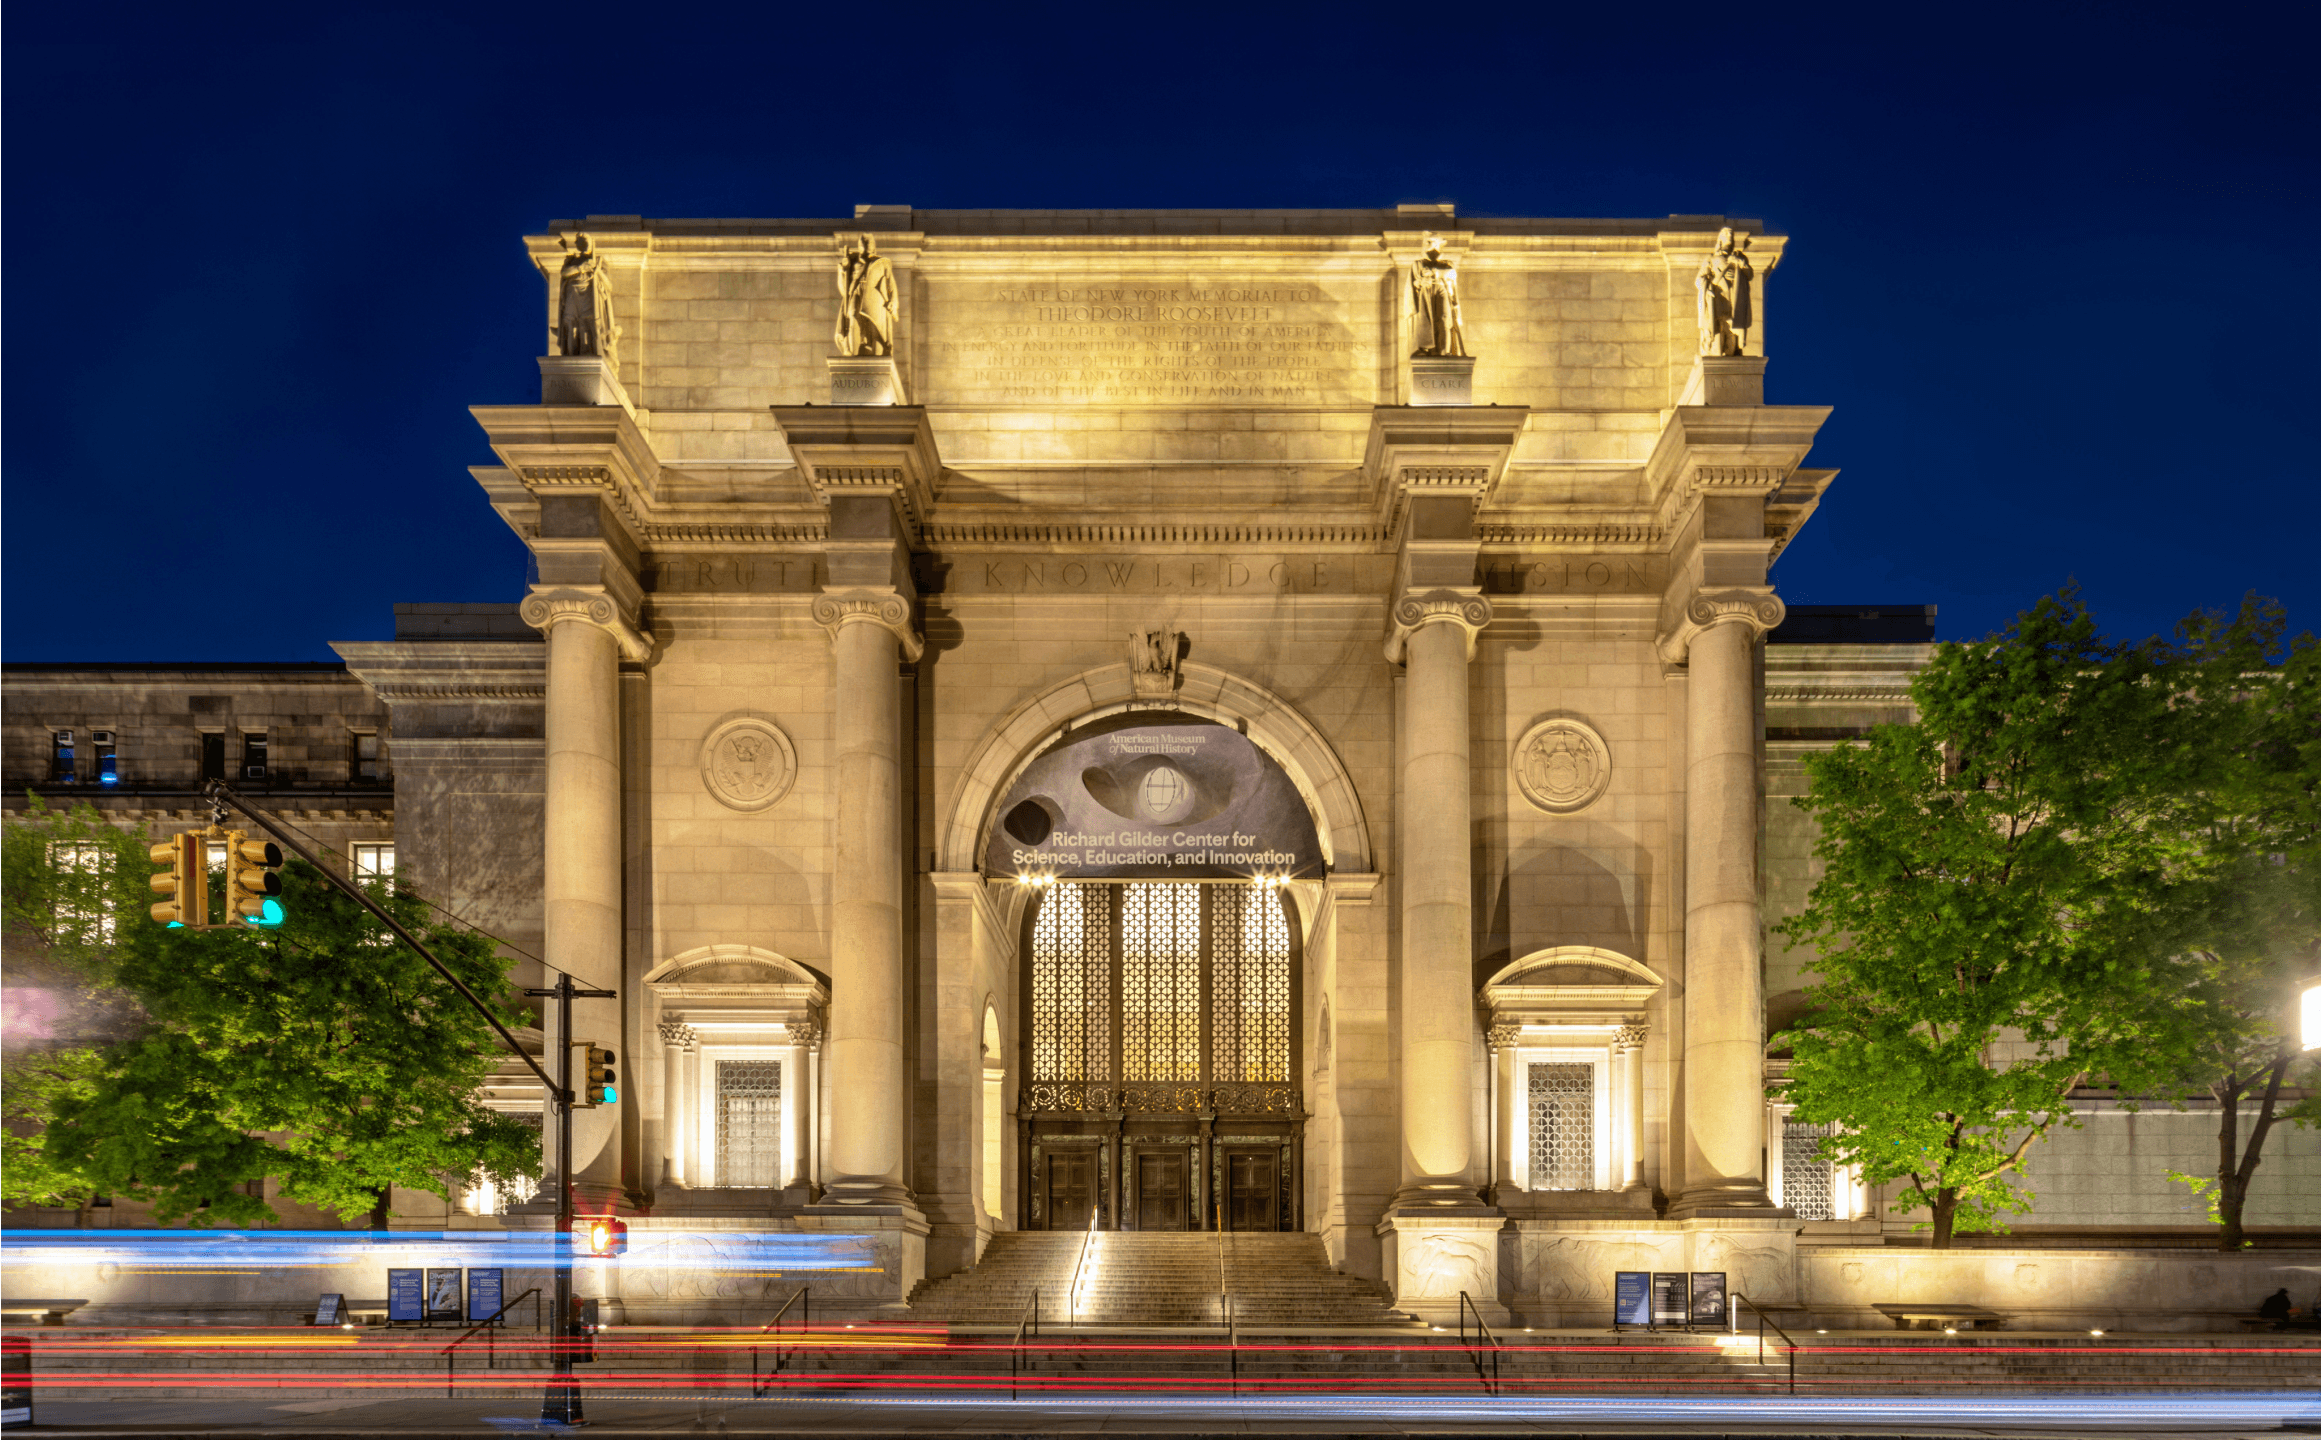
(2055, 267)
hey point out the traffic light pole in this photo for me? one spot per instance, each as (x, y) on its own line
(562, 1402)
(561, 1405)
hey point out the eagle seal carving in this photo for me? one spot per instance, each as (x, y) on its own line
(1562, 765)
(747, 763)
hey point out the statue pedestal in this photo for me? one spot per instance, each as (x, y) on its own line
(1725, 380)
(865, 380)
(1442, 379)
(579, 380)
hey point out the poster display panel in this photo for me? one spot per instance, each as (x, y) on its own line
(330, 1310)
(1631, 1298)
(1708, 1299)
(406, 1296)
(483, 1294)
(1671, 1300)
(443, 1294)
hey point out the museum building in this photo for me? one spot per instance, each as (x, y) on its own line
(1257, 721)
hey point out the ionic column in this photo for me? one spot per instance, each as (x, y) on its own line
(1434, 635)
(677, 1118)
(866, 915)
(581, 884)
(1724, 1013)
(1628, 1049)
(1508, 1123)
(798, 1067)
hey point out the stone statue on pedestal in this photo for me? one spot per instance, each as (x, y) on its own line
(866, 301)
(1725, 296)
(1434, 297)
(584, 318)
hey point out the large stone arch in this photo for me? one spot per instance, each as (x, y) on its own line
(1272, 723)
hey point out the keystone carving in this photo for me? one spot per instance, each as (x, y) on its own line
(1464, 608)
(1755, 606)
(543, 610)
(885, 609)
(1152, 662)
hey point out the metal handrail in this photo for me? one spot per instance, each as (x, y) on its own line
(1225, 1313)
(804, 1301)
(1030, 1317)
(1764, 1320)
(1086, 1236)
(1490, 1382)
(490, 1325)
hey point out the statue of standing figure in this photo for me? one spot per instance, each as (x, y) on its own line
(584, 318)
(1434, 297)
(866, 301)
(1724, 296)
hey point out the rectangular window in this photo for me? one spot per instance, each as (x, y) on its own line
(749, 1123)
(366, 756)
(1072, 985)
(1806, 1179)
(253, 754)
(1563, 1127)
(107, 763)
(83, 910)
(63, 768)
(213, 755)
(373, 859)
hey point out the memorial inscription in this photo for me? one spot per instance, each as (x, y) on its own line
(1142, 341)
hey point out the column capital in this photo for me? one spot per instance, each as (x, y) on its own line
(1755, 606)
(678, 1035)
(888, 609)
(1503, 1036)
(1628, 1037)
(1463, 606)
(807, 1033)
(548, 606)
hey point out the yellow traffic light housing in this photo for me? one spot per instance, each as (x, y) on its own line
(185, 885)
(253, 881)
(603, 1087)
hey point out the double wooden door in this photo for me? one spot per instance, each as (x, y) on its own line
(1253, 1189)
(1160, 1190)
(1071, 1188)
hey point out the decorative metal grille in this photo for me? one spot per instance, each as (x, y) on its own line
(1072, 985)
(749, 1123)
(1808, 1183)
(1563, 1127)
(1160, 982)
(1249, 982)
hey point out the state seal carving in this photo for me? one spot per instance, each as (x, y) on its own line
(748, 763)
(1562, 765)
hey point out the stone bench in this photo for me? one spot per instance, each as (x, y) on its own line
(51, 1312)
(1941, 1317)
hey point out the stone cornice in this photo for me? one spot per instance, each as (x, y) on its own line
(1440, 450)
(544, 609)
(887, 609)
(1463, 606)
(1753, 605)
(885, 450)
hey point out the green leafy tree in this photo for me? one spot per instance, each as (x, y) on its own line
(1998, 922)
(321, 1053)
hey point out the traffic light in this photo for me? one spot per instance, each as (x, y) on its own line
(185, 885)
(603, 1087)
(253, 881)
(606, 1236)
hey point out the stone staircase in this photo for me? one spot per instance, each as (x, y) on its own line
(1132, 1278)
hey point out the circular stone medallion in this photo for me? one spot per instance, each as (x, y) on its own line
(747, 763)
(1562, 765)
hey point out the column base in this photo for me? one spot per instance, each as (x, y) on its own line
(1436, 1195)
(1739, 1199)
(1434, 1257)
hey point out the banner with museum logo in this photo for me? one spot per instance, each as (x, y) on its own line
(1140, 797)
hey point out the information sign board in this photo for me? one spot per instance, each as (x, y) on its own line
(1631, 1298)
(483, 1294)
(443, 1292)
(15, 1382)
(1671, 1300)
(330, 1310)
(406, 1296)
(1708, 1299)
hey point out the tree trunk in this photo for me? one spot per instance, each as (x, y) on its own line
(379, 1209)
(2238, 1166)
(1945, 1214)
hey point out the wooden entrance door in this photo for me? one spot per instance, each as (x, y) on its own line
(1252, 1190)
(1160, 1190)
(1071, 1188)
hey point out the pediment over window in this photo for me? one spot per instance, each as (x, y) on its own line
(738, 976)
(1569, 981)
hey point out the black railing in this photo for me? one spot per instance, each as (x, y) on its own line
(804, 1301)
(490, 1326)
(1764, 1320)
(1484, 1337)
(1030, 1319)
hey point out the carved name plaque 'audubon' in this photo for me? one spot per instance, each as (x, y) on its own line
(1147, 340)
(748, 763)
(1562, 765)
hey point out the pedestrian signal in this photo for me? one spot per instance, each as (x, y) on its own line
(603, 1086)
(253, 881)
(185, 885)
(607, 1236)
